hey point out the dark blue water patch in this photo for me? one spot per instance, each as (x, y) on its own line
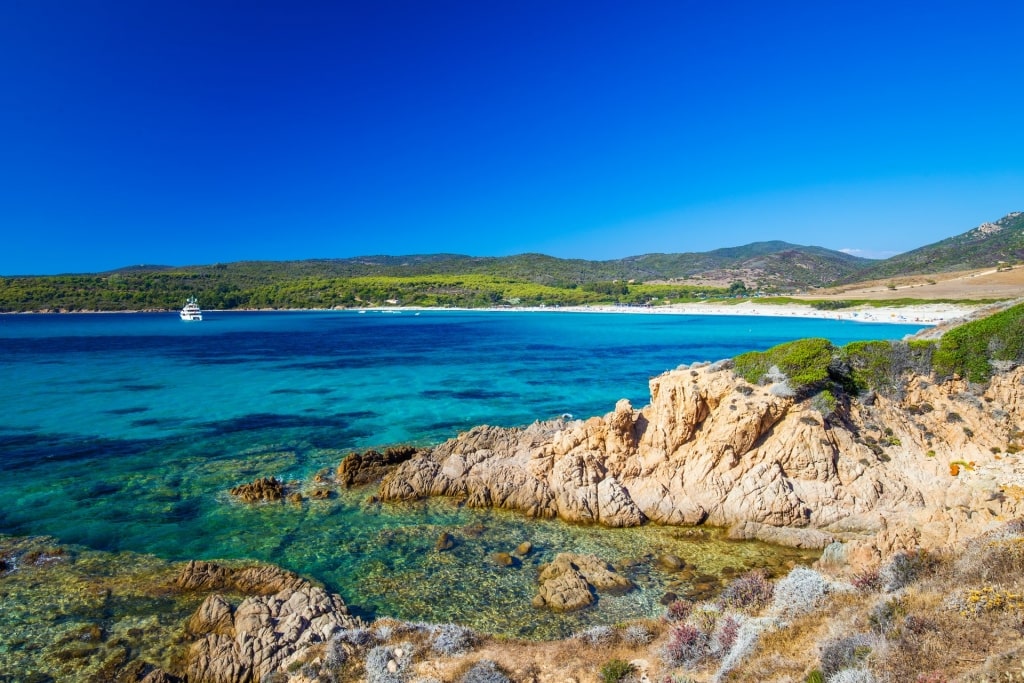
(183, 511)
(264, 421)
(363, 362)
(468, 394)
(334, 438)
(319, 391)
(158, 422)
(28, 450)
(98, 490)
(126, 411)
(142, 387)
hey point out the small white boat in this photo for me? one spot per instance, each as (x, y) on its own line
(191, 310)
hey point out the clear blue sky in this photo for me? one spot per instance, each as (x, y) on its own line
(180, 132)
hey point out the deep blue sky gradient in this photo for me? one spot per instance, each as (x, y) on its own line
(182, 132)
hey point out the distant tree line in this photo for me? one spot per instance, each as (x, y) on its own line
(220, 288)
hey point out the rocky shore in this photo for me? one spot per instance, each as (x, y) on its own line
(876, 475)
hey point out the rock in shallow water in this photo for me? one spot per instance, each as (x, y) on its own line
(444, 542)
(358, 469)
(263, 489)
(570, 581)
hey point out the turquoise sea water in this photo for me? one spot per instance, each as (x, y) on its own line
(124, 432)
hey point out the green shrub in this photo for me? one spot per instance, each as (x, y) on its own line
(615, 670)
(804, 361)
(881, 365)
(971, 349)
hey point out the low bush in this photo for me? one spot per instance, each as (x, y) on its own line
(799, 592)
(686, 646)
(844, 653)
(616, 670)
(752, 590)
(971, 349)
(867, 581)
(484, 671)
(637, 634)
(385, 664)
(725, 635)
(852, 676)
(335, 654)
(356, 636)
(884, 616)
(904, 569)
(804, 362)
(452, 639)
(596, 636)
(678, 610)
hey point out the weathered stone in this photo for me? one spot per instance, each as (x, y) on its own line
(444, 542)
(503, 559)
(672, 563)
(570, 580)
(213, 616)
(523, 549)
(563, 589)
(370, 466)
(257, 637)
(160, 676)
(263, 489)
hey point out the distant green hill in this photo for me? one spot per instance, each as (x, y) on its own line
(982, 247)
(523, 279)
(433, 280)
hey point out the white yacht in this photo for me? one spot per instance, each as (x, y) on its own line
(191, 310)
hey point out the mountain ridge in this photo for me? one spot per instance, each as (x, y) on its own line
(445, 279)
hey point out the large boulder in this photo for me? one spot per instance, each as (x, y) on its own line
(260, 490)
(570, 582)
(285, 614)
(370, 466)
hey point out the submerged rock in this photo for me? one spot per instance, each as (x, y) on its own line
(570, 581)
(672, 563)
(504, 559)
(444, 542)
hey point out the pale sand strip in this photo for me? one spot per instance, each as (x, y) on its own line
(923, 314)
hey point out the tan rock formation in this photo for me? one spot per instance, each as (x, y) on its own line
(570, 580)
(286, 615)
(263, 489)
(712, 448)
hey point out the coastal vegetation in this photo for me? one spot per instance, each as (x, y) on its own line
(224, 290)
(973, 351)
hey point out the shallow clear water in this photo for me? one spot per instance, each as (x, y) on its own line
(123, 432)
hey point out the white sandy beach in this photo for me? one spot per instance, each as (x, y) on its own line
(923, 314)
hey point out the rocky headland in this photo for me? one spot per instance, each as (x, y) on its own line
(876, 473)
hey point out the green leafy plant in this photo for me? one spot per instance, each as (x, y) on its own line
(616, 670)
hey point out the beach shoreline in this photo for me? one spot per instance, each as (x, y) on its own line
(923, 314)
